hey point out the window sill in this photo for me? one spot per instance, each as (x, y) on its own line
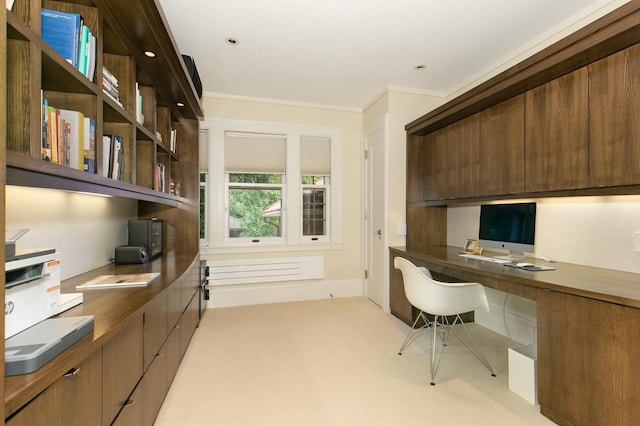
(206, 250)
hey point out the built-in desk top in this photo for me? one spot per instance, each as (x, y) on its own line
(608, 285)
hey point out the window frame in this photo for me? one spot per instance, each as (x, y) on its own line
(292, 232)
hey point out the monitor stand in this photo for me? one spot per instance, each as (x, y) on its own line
(515, 255)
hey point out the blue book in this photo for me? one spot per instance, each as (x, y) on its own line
(61, 30)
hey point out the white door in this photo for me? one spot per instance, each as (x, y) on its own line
(376, 213)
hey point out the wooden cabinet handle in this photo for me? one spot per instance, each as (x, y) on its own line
(71, 372)
(129, 402)
(159, 355)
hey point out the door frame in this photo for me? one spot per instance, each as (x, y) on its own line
(379, 124)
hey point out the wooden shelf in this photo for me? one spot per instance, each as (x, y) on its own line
(24, 171)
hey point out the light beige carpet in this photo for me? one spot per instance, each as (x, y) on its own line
(334, 362)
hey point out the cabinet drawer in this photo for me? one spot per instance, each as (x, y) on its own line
(82, 385)
(155, 328)
(122, 360)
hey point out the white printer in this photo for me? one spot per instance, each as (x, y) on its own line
(32, 297)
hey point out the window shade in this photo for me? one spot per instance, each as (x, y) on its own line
(315, 155)
(254, 153)
(203, 151)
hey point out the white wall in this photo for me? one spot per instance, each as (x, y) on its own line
(592, 231)
(84, 229)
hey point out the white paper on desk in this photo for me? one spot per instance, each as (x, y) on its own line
(9, 4)
(123, 280)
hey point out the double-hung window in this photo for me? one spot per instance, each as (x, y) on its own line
(271, 184)
(255, 177)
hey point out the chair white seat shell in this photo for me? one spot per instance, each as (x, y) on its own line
(442, 300)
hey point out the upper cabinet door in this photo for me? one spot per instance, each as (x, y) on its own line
(463, 160)
(502, 148)
(614, 119)
(435, 169)
(556, 134)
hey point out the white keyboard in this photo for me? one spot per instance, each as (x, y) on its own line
(485, 258)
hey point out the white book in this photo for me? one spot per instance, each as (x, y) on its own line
(118, 281)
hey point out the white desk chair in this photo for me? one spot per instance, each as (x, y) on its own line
(441, 299)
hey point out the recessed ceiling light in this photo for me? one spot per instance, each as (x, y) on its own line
(150, 53)
(232, 41)
(180, 104)
(420, 67)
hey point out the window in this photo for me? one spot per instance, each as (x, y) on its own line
(203, 161)
(277, 184)
(315, 168)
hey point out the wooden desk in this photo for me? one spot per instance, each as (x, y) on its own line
(588, 330)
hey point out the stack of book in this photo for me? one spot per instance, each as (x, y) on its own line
(112, 156)
(110, 86)
(68, 138)
(67, 34)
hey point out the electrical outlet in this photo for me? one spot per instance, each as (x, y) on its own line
(636, 241)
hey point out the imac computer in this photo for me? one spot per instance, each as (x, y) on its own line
(509, 227)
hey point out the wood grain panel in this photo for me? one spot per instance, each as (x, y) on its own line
(123, 366)
(463, 158)
(53, 407)
(556, 138)
(587, 351)
(426, 226)
(502, 148)
(435, 165)
(416, 158)
(614, 119)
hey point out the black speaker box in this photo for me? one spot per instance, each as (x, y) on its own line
(193, 73)
(131, 254)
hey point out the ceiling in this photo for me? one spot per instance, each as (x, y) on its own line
(345, 53)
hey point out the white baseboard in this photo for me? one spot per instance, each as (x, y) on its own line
(278, 292)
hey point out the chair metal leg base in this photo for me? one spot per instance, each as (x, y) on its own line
(409, 339)
(472, 347)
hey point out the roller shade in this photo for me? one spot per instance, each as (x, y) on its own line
(254, 153)
(203, 150)
(315, 155)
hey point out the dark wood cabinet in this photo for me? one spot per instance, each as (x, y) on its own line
(462, 163)
(563, 122)
(614, 119)
(123, 367)
(501, 149)
(587, 356)
(155, 329)
(556, 134)
(74, 399)
(435, 165)
(131, 326)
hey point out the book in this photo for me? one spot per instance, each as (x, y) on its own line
(52, 134)
(119, 281)
(46, 147)
(75, 138)
(89, 139)
(106, 155)
(117, 148)
(91, 58)
(61, 30)
(83, 52)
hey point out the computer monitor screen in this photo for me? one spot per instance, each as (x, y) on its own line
(508, 226)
